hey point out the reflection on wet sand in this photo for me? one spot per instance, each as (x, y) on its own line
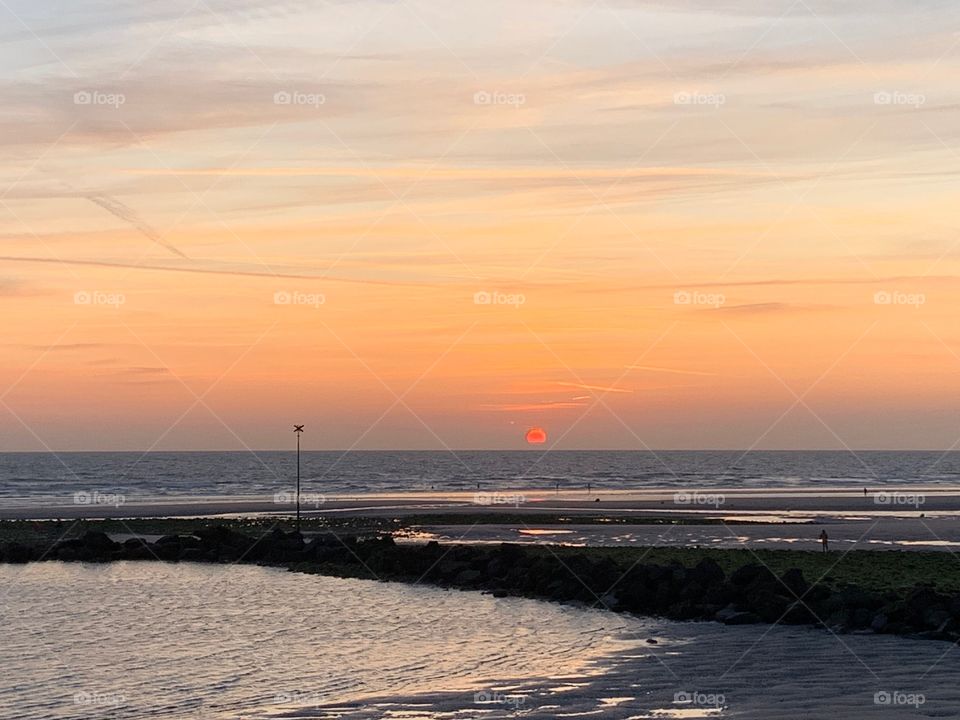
(869, 533)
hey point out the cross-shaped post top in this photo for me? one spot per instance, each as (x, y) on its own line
(298, 428)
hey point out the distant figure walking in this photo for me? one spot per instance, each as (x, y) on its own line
(824, 540)
(864, 492)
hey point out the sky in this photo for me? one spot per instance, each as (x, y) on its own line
(421, 225)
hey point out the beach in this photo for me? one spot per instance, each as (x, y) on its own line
(516, 654)
(897, 518)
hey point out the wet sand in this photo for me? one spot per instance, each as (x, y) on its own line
(890, 519)
(776, 504)
(927, 534)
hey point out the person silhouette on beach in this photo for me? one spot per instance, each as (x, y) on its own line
(864, 492)
(825, 541)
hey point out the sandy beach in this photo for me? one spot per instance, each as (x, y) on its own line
(892, 519)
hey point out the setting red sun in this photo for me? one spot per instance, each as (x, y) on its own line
(536, 436)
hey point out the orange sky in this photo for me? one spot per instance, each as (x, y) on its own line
(637, 225)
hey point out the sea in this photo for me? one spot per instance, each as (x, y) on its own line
(136, 641)
(135, 475)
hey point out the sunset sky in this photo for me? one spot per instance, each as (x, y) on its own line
(698, 224)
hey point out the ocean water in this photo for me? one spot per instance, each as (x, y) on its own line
(240, 474)
(149, 640)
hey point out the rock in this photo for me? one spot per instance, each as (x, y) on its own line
(467, 578)
(66, 554)
(747, 574)
(97, 545)
(861, 618)
(797, 614)
(169, 552)
(191, 554)
(500, 593)
(793, 579)
(496, 568)
(720, 594)
(769, 606)
(708, 572)
(17, 553)
(879, 622)
(610, 601)
(651, 641)
(936, 619)
(221, 536)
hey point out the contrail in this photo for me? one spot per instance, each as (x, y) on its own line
(118, 209)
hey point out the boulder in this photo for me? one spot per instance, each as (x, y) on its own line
(879, 623)
(708, 572)
(17, 553)
(748, 574)
(794, 580)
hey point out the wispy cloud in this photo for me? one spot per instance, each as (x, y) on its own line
(599, 388)
(672, 371)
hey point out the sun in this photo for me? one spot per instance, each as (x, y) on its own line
(536, 436)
